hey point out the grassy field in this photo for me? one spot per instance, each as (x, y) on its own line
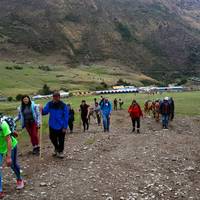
(29, 78)
(186, 104)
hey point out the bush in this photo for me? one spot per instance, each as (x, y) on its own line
(18, 67)
(104, 85)
(124, 32)
(19, 97)
(45, 90)
(44, 68)
(9, 68)
(9, 98)
(122, 82)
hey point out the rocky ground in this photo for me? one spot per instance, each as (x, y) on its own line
(155, 164)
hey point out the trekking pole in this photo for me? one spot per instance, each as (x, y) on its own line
(40, 132)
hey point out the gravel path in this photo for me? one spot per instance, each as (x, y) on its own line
(156, 164)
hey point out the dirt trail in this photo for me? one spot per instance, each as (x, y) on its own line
(156, 164)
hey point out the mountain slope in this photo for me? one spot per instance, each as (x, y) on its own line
(160, 38)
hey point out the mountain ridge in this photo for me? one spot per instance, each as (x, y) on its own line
(159, 38)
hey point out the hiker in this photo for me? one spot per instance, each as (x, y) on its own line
(120, 104)
(71, 118)
(106, 109)
(84, 109)
(165, 112)
(101, 101)
(172, 108)
(58, 123)
(8, 150)
(115, 104)
(157, 110)
(97, 110)
(95, 101)
(135, 114)
(29, 115)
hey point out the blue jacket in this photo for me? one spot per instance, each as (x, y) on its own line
(36, 114)
(106, 108)
(58, 114)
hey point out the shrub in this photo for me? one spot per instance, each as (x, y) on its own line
(18, 67)
(45, 90)
(44, 68)
(19, 97)
(122, 82)
(9, 98)
(9, 68)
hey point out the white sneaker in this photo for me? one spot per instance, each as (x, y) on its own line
(60, 155)
(20, 184)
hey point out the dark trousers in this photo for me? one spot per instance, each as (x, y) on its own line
(134, 121)
(57, 138)
(85, 122)
(71, 125)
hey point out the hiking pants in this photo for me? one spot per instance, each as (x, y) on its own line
(85, 122)
(106, 122)
(15, 167)
(134, 121)
(32, 129)
(98, 118)
(71, 124)
(165, 120)
(57, 138)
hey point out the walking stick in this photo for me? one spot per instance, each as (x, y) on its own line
(40, 132)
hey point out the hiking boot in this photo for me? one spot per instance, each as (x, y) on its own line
(36, 151)
(138, 130)
(133, 130)
(20, 184)
(2, 195)
(60, 155)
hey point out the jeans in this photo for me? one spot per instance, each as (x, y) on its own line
(165, 120)
(106, 122)
(57, 138)
(15, 167)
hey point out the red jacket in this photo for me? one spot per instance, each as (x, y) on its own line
(135, 111)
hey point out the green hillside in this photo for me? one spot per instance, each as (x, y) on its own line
(158, 38)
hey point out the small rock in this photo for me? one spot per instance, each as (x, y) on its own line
(43, 184)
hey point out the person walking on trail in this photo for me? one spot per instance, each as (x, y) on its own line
(97, 110)
(135, 114)
(58, 123)
(165, 112)
(172, 108)
(29, 115)
(106, 109)
(8, 150)
(115, 104)
(71, 118)
(120, 104)
(84, 109)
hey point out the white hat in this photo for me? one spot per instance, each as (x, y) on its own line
(166, 98)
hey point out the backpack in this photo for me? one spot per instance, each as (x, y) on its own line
(11, 123)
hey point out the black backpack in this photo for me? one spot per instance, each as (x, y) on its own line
(11, 123)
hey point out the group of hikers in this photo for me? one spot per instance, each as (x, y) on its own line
(164, 107)
(62, 116)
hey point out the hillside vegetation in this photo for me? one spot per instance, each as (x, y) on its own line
(159, 38)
